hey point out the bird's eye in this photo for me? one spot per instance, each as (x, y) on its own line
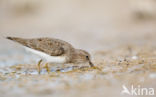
(87, 57)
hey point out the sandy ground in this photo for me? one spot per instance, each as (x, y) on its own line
(128, 65)
(119, 34)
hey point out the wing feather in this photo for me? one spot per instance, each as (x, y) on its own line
(51, 46)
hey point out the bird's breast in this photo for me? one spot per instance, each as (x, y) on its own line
(48, 58)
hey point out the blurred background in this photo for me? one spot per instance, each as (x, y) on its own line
(105, 28)
(86, 24)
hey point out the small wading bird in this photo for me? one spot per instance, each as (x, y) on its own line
(54, 51)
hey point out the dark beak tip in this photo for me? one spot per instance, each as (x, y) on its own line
(91, 64)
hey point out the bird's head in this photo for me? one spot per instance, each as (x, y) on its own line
(82, 56)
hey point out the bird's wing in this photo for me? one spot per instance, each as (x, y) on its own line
(49, 46)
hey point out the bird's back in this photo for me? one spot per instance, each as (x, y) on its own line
(51, 46)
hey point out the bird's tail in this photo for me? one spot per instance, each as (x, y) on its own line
(10, 38)
(16, 39)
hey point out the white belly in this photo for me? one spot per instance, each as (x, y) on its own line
(48, 58)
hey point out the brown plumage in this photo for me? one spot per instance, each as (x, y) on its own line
(51, 46)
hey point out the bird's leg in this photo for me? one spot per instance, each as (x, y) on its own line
(47, 68)
(39, 66)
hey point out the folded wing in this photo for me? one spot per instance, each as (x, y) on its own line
(49, 46)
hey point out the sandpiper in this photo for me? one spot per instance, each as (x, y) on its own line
(54, 50)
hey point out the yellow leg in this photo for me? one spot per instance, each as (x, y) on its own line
(39, 66)
(47, 68)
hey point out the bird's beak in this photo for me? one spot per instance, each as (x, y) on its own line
(91, 64)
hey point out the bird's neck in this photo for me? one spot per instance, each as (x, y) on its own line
(76, 56)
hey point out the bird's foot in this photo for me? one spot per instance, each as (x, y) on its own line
(39, 66)
(95, 67)
(47, 68)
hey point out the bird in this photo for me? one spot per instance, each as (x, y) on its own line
(54, 50)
